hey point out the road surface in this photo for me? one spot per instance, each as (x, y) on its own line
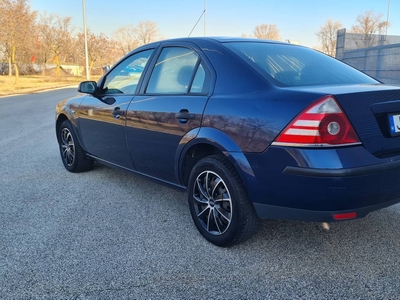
(106, 234)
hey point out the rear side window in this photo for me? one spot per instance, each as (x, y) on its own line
(289, 65)
(178, 70)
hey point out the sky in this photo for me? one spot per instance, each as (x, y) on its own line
(297, 20)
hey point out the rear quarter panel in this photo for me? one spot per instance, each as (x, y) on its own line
(254, 120)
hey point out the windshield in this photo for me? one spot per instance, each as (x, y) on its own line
(290, 65)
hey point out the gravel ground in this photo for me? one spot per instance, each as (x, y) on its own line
(106, 234)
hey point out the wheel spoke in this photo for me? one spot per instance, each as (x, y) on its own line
(210, 214)
(222, 201)
(71, 157)
(207, 183)
(200, 200)
(64, 138)
(203, 212)
(217, 220)
(201, 189)
(217, 182)
(65, 152)
(225, 214)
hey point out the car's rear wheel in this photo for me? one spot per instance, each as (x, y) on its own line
(72, 154)
(219, 204)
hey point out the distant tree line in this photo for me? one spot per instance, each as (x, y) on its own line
(368, 23)
(28, 37)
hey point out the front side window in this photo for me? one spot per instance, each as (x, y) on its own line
(178, 70)
(124, 78)
(289, 65)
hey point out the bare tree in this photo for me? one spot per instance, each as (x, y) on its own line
(16, 25)
(147, 32)
(327, 35)
(55, 35)
(130, 37)
(267, 32)
(125, 38)
(99, 49)
(369, 23)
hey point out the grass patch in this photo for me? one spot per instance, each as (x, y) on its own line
(33, 83)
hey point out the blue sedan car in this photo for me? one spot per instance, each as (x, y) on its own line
(250, 128)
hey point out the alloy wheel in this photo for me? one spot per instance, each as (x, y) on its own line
(212, 203)
(67, 147)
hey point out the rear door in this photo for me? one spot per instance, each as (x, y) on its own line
(169, 107)
(102, 117)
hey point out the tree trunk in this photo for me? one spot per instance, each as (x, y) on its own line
(91, 67)
(16, 72)
(9, 67)
(44, 65)
(14, 64)
(58, 69)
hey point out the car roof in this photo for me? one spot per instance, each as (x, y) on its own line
(218, 39)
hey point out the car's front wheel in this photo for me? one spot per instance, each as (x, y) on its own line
(219, 204)
(72, 154)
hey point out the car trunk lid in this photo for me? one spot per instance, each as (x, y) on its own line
(371, 113)
(373, 110)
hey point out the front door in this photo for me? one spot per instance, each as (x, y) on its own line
(102, 117)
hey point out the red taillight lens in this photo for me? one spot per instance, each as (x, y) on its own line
(322, 124)
(345, 216)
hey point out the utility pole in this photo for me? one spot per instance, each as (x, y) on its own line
(387, 19)
(86, 43)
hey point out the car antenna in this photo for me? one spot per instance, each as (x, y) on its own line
(203, 13)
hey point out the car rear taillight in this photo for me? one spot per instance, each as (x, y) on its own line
(322, 124)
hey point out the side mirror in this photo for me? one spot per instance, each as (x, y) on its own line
(87, 87)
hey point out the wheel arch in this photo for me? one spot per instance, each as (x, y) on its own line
(64, 116)
(60, 119)
(210, 141)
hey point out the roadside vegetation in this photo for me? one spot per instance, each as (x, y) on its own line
(34, 83)
(42, 44)
(49, 47)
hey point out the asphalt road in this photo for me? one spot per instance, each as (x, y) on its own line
(106, 234)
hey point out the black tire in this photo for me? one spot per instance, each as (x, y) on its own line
(219, 204)
(72, 154)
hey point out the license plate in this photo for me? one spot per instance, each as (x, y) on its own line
(394, 121)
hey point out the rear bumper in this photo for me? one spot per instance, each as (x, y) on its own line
(315, 184)
(358, 171)
(266, 211)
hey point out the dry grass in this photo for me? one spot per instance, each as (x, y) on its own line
(33, 83)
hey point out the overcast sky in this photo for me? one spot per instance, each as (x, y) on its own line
(297, 20)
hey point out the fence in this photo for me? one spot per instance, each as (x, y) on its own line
(377, 55)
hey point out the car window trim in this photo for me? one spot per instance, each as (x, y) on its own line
(202, 59)
(145, 70)
(191, 80)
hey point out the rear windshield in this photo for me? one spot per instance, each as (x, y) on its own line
(290, 65)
